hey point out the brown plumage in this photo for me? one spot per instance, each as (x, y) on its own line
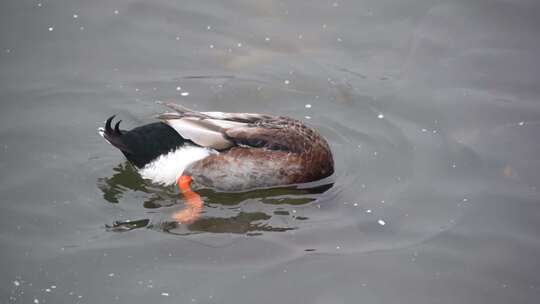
(250, 150)
(260, 150)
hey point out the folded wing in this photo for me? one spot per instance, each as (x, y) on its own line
(220, 131)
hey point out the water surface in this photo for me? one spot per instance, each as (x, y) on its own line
(430, 107)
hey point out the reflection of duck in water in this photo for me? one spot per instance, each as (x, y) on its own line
(277, 208)
(225, 151)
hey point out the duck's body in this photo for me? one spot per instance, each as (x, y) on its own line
(225, 151)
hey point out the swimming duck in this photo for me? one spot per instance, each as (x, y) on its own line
(224, 151)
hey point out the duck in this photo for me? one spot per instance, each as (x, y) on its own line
(225, 151)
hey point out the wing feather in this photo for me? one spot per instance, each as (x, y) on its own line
(202, 132)
(238, 117)
(220, 130)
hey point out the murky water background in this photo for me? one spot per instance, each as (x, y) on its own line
(431, 108)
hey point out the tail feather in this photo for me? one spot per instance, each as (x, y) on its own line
(114, 136)
(116, 128)
(108, 128)
(142, 144)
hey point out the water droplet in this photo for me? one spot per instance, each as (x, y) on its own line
(308, 106)
(36, 301)
(355, 204)
(307, 117)
(51, 28)
(209, 27)
(267, 39)
(75, 16)
(177, 38)
(17, 283)
(116, 12)
(39, 4)
(381, 222)
(287, 82)
(211, 46)
(368, 211)
(339, 39)
(300, 36)
(521, 123)
(380, 116)
(184, 93)
(179, 88)
(239, 44)
(111, 274)
(165, 294)
(324, 26)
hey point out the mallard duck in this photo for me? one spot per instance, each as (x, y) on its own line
(224, 151)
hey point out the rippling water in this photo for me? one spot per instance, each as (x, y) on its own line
(431, 110)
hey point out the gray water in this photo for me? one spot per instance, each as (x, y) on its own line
(431, 108)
